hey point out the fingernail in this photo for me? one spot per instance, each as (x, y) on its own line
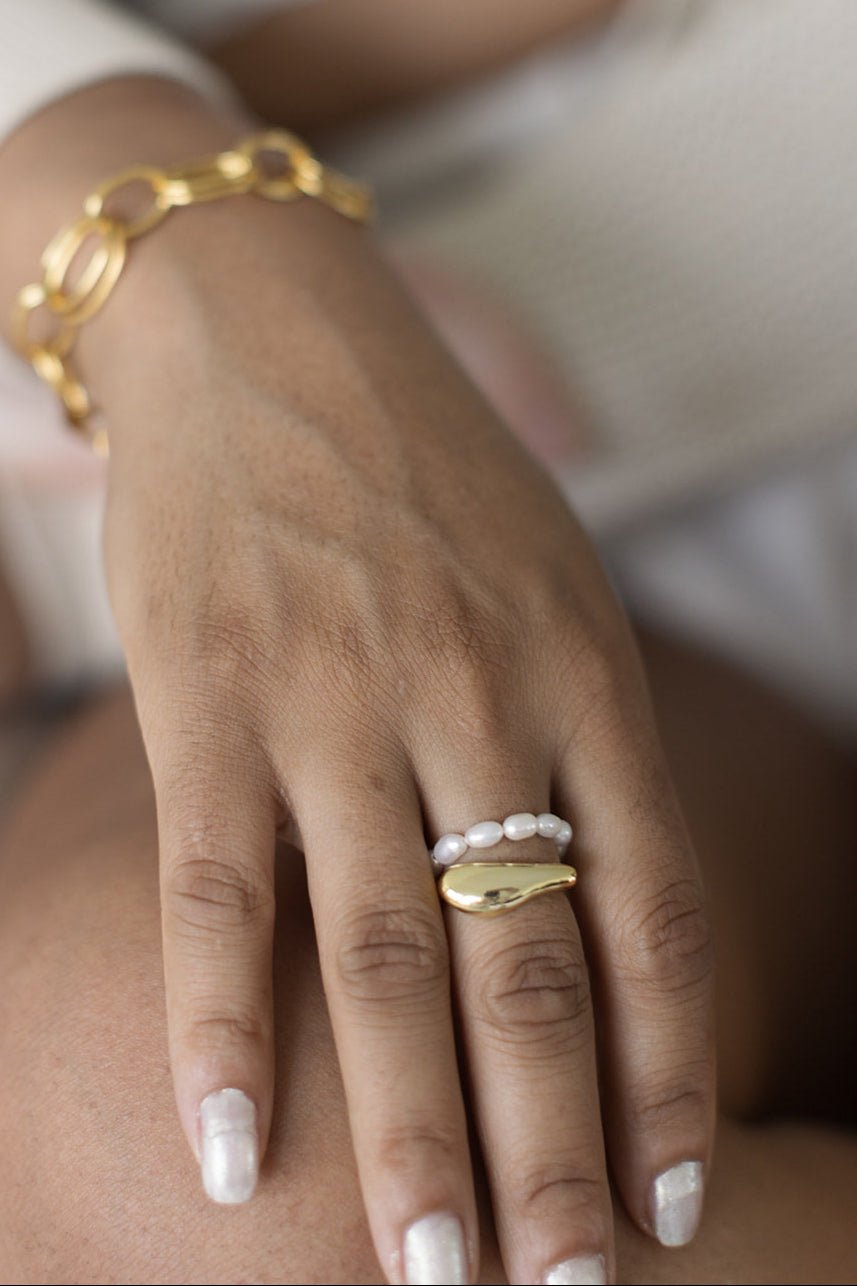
(583, 1270)
(435, 1253)
(677, 1201)
(229, 1146)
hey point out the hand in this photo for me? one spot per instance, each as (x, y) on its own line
(353, 606)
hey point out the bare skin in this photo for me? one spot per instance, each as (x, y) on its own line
(95, 1186)
(321, 66)
(14, 650)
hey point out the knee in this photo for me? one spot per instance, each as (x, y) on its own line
(97, 1181)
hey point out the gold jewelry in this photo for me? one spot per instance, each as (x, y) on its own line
(295, 172)
(490, 888)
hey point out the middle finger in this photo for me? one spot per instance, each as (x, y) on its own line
(384, 961)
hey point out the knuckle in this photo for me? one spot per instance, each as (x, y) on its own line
(659, 1107)
(668, 942)
(477, 712)
(236, 650)
(536, 994)
(205, 894)
(232, 636)
(393, 957)
(460, 640)
(215, 1034)
(347, 652)
(594, 670)
(596, 657)
(591, 647)
(425, 1147)
(469, 653)
(559, 1189)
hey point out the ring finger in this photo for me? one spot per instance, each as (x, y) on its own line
(528, 1030)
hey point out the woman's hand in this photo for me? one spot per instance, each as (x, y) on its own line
(355, 610)
(352, 606)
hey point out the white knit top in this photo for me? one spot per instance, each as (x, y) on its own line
(51, 47)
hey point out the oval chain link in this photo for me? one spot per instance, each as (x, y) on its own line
(132, 177)
(28, 301)
(80, 302)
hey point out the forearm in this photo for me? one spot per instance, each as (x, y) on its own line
(347, 59)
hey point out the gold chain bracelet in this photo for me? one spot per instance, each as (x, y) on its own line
(274, 164)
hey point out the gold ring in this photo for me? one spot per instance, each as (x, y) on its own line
(492, 888)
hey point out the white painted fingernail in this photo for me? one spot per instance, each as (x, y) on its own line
(435, 1253)
(229, 1146)
(583, 1270)
(677, 1202)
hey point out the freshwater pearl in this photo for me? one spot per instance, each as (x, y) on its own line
(548, 824)
(484, 835)
(562, 838)
(520, 826)
(449, 848)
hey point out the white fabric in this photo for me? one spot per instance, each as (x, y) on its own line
(51, 498)
(766, 574)
(51, 47)
(51, 540)
(673, 207)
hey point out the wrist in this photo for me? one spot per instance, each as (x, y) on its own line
(229, 294)
(192, 264)
(62, 152)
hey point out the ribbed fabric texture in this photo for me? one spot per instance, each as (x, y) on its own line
(673, 209)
